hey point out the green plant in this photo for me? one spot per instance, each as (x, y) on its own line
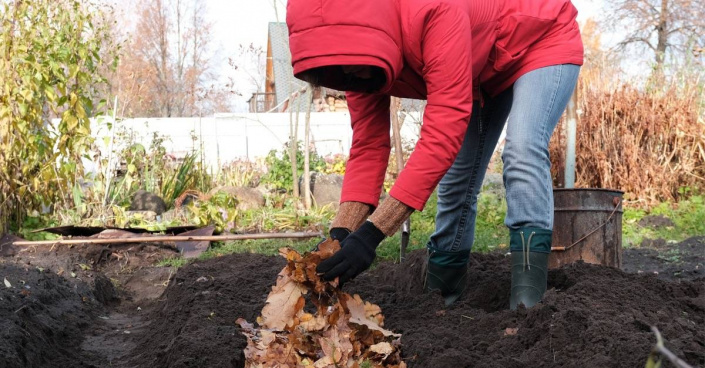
(179, 180)
(125, 185)
(688, 216)
(34, 221)
(286, 218)
(219, 210)
(240, 173)
(173, 262)
(490, 232)
(50, 66)
(279, 173)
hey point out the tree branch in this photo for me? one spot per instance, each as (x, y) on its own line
(635, 40)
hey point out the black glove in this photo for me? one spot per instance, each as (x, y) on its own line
(357, 253)
(339, 233)
(336, 233)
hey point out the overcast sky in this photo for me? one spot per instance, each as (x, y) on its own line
(245, 21)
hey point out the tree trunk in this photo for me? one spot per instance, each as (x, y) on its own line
(293, 144)
(307, 173)
(662, 32)
(396, 131)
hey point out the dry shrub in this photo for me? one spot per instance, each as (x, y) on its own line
(648, 144)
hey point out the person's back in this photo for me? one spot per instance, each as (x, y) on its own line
(478, 64)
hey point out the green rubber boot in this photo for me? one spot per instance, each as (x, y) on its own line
(447, 272)
(530, 248)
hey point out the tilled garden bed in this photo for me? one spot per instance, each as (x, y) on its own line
(591, 317)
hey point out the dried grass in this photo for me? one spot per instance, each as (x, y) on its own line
(648, 144)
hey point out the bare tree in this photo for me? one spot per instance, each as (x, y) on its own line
(601, 65)
(165, 69)
(250, 64)
(662, 26)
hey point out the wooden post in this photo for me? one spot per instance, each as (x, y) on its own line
(109, 169)
(571, 131)
(396, 132)
(293, 141)
(307, 142)
(169, 238)
(399, 153)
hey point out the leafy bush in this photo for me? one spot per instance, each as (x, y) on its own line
(279, 173)
(335, 164)
(220, 210)
(50, 66)
(240, 173)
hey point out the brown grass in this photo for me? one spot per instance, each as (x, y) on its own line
(648, 144)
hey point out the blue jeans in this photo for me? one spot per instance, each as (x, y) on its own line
(531, 109)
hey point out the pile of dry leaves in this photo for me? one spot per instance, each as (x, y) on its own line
(307, 322)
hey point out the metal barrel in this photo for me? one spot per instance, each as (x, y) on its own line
(587, 227)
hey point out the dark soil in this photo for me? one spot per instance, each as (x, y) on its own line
(64, 309)
(591, 316)
(131, 267)
(42, 317)
(680, 261)
(193, 324)
(656, 221)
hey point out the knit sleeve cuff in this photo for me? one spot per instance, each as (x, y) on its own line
(351, 215)
(390, 215)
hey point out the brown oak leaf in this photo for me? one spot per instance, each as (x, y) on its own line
(363, 314)
(344, 331)
(282, 303)
(383, 348)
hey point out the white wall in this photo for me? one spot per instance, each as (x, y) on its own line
(228, 137)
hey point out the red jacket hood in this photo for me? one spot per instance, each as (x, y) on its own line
(348, 32)
(448, 49)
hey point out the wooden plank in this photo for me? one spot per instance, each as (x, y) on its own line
(171, 238)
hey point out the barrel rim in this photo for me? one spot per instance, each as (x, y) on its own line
(587, 189)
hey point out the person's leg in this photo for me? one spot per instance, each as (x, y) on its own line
(540, 97)
(449, 246)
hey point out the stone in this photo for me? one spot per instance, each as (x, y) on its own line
(325, 189)
(146, 201)
(248, 198)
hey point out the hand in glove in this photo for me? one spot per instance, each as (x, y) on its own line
(336, 233)
(356, 255)
(339, 233)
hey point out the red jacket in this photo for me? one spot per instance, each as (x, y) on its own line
(443, 51)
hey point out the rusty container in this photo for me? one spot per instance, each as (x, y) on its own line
(587, 227)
